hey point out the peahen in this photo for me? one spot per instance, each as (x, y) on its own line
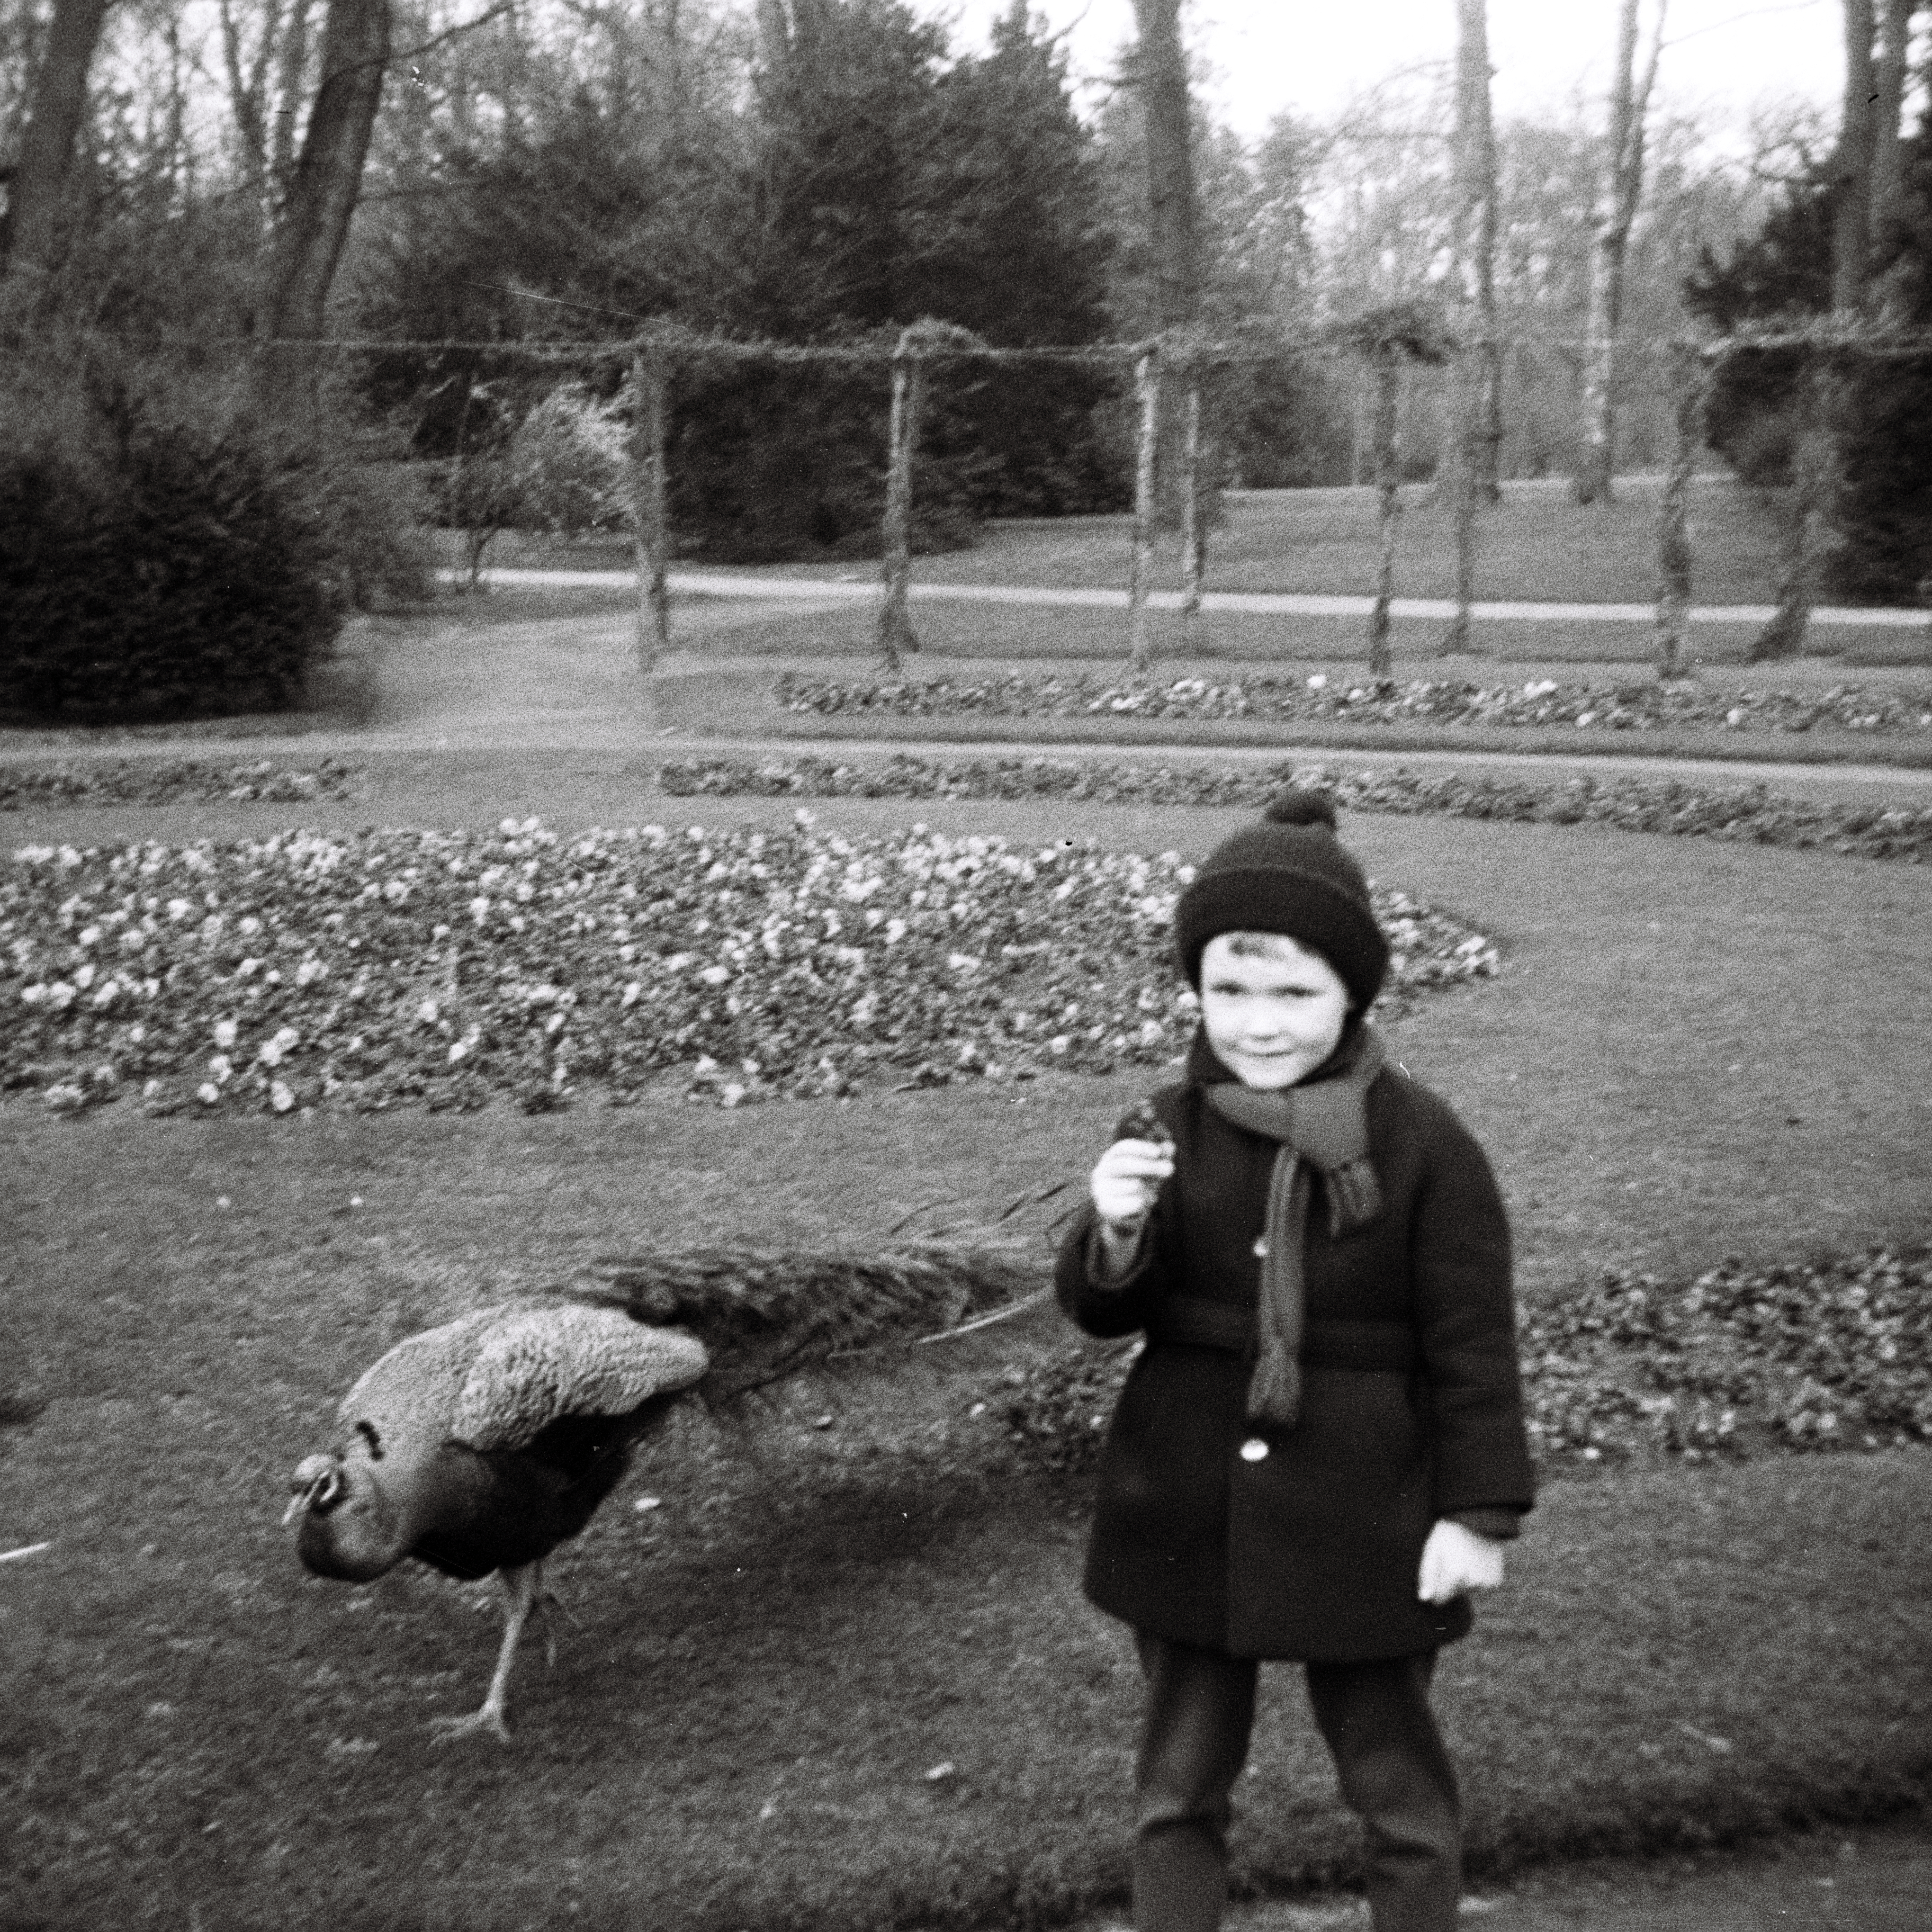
(480, 1446)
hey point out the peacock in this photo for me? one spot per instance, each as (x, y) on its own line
(480, 1446)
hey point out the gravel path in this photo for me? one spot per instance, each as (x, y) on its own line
(546, 690)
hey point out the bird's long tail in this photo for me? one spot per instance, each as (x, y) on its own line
(766, 1314)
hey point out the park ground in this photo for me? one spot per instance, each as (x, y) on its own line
(494, 707)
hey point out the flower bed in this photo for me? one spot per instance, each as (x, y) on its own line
(1637, 705)
(1751, 813)
(446, 969)
(1742, 1362)
(173, 781)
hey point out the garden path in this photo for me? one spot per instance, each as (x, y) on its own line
(548, 690)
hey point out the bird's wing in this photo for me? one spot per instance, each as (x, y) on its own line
(408, 1395)
(536, 1365)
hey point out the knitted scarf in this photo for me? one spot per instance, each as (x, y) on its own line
(1321, 1126)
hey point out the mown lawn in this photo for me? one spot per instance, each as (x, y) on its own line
(1535, 545)
(1692, 1051)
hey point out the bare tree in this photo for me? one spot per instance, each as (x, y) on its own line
(1478, 430)
(1161, 71)
(1852, 163)
(1885, 176)
(1621, 189)
(313, 222)
(29, 238)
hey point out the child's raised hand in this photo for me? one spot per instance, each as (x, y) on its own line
(1456, 1561)
(1126, 1179)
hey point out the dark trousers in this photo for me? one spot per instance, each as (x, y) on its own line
(1395, 1775)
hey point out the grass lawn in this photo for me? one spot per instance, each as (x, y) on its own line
(948, 631)
(1534, 545)
(1693, 1049)
(960, 639)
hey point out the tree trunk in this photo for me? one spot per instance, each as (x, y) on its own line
(314, 218)
(1887, 178)
(29, 237)
(1161, 66)
(1622, 188)
(281, 159)
(248, 91)
(1851, 164)
(1477, 434)
(1476, 244)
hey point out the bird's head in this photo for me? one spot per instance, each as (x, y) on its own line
(350, 1529)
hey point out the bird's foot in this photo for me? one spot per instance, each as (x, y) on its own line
(448, 1730)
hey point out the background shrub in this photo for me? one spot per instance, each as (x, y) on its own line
(165, 553)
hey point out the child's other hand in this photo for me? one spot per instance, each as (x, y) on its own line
(1126, 1179)
(1455, 1561)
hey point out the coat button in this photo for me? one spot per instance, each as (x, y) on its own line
(1261, 1250)
(1254, 1450)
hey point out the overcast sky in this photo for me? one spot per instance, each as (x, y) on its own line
(1264, 55)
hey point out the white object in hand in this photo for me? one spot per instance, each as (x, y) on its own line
(1456, 1561)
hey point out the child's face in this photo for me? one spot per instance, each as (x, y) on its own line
(1274, 1011)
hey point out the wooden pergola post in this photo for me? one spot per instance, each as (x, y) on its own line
(895, 631)
(1688, 380)
(1147, 386)
(1813, 462)
(1193, 536)
(1385, 360)
(649, 377)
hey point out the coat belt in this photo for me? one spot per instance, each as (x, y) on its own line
(1190, 1321)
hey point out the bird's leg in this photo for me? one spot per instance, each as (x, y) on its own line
(519, 1589)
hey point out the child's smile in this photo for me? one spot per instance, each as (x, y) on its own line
(1274, 1011)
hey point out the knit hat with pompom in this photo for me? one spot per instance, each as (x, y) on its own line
(1289, 874)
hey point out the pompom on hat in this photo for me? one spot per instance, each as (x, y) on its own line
(1289, 874)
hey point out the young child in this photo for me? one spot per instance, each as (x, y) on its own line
(1321, 1449)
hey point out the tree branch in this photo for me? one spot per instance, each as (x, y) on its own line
(449, 34)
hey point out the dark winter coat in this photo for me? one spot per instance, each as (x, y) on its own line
(1411, 1407)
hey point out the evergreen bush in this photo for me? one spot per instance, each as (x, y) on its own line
(165, 554)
